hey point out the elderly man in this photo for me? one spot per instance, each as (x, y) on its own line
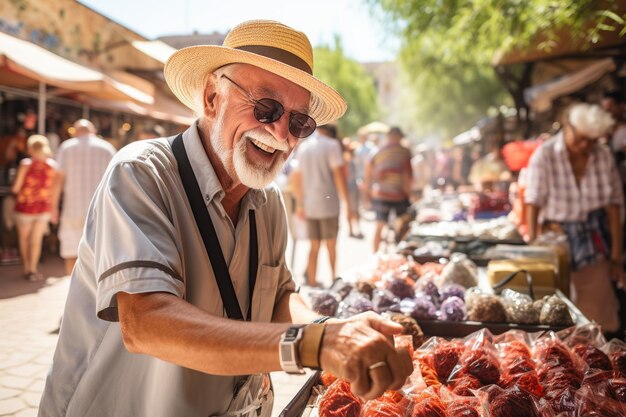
(181, 301)
(573, 187)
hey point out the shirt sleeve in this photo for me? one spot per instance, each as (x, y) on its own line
(135, 244)
(536, 179)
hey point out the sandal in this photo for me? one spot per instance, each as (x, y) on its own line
(36, 277)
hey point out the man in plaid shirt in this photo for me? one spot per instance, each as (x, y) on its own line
(574, 187)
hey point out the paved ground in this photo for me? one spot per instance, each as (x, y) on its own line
(29, 319)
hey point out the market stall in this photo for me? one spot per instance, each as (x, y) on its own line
(490, 329)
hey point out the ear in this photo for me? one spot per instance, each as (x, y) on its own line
(210, 97)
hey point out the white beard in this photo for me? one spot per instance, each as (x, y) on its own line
(237, 164)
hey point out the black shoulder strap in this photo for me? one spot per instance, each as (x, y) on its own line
(210, 239)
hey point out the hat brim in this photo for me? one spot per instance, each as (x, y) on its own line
(186, 71)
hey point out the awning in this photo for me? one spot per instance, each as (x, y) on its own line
(157, 50)
(540, 97)
(163, 108)
(29, 60)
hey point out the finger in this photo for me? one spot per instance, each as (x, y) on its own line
(401, 366)
(381, 378)
(361, 385)
(385, 326)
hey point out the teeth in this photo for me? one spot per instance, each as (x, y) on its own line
(263, 146)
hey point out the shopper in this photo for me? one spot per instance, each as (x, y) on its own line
(34, 182)
(157, 323)
(573, 187)
(388, 179)
(82, 161)
(319, 183)
(352, 184)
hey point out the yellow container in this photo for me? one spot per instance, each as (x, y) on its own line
(542, 272)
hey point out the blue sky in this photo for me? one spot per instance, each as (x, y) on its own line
(363, 36)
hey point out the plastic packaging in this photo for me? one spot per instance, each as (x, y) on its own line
(459, 270)
(519, 307)
(324, 302)
(487, 308)
(339, 401)
(555, 312)
(354, 303)
(453, 309)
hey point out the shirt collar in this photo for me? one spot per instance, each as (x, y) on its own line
(208, 182)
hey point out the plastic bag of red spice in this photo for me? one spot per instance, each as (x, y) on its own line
(511, 402)
(445, 357)
(616, 351)
(427, 403)
(382, 407)
(480, 363)
(590, 404)
(339, 401)
(423, 371)
(460, 406)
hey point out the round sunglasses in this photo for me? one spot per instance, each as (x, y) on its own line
(267, 110)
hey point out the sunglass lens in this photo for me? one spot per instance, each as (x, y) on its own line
(267, 110)
(301, 125)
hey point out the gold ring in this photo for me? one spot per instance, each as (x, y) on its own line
(377, 365)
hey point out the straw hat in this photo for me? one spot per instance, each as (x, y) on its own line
(266, 44)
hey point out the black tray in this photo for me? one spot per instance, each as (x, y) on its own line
(451, 329)
(297, 407)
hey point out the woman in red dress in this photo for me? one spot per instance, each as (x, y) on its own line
(34, 182)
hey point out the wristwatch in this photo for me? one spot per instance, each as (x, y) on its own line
(288, 350)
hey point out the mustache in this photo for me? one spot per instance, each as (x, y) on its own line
(267, 139)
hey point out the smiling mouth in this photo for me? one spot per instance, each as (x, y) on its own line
(262, 147)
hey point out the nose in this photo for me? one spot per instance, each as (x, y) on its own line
(280, 128)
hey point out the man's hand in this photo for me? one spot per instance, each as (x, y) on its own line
(356, 349)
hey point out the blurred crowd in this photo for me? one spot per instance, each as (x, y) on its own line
(384, 176)
(379, 176)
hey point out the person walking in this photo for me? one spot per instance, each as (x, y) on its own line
(320, 183)
(33, 186)
(573, 187)
(82, 161)
(181, 301)
(388, 179)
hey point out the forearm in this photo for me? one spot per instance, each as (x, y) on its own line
(340, 184)
(166, 327)
(292, 309)
(615, 226)
(532, 218)
(296, 179)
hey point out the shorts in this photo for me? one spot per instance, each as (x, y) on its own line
(70, 232)
(27, 219)
(322, 229)
(383, 208)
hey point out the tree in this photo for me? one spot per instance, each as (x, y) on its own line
(448, 46)
(351, 81)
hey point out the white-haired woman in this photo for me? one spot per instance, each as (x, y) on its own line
(574, 187)
(33, 186)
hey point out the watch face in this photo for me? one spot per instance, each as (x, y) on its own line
(292, 332)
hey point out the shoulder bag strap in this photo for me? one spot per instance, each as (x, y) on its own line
(210, 239)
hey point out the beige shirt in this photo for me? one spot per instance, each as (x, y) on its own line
(140, 237)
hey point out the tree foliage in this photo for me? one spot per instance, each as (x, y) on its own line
(448, 46)
(350, 79)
